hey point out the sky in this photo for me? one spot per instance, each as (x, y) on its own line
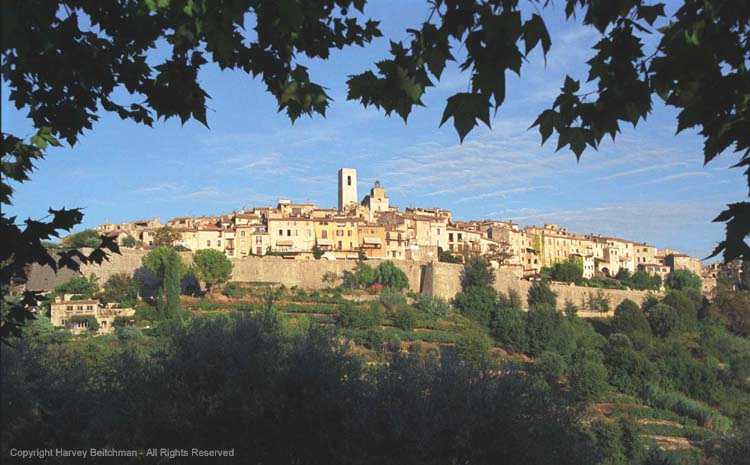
(649, 185)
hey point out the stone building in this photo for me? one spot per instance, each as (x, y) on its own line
(75, 314)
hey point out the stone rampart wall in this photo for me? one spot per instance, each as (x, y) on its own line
(431, 278)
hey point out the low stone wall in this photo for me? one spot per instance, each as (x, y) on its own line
(431, 278)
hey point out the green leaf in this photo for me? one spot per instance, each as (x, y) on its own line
(466, 109)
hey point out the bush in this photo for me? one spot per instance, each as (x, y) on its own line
(86, 287)
(374, 339)
(405, 318)
(352, 317)
(233, 290)
(687, 314)
(128, 333)
(436, 306)
(477, 272)
(477, 303)
(552, 366)
(588, 378)
(509, 329)
(123, 289)
(684, 279)
(540, 294)
(362, 276)
(569, 271)
(628, 369)
(630, 320)
(389, 275)
(547, 330)
(663, 319)
(392, 299)
(474, 347)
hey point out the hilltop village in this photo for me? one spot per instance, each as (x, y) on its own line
(375, 229)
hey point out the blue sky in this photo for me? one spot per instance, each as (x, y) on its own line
(649, 185)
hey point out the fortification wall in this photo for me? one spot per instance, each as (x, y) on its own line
(431, 278)
(303, 273)
(444, 280)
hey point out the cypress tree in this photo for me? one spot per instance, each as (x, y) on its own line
(171, 287)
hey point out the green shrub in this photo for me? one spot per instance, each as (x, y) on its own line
(405, 318)
(552, 366)
(474, 347)
(374, 339)
(233, 290)
(540, 294)
(477, 303)
(683, 279)
(392, 299)
(509, 328)
(432, 305)
(663, 319)
(128, 333)
(351, 316)
(588, 378)
(683, 405)
(389, 275)
(628, 369)
(477, 272)
(547, 330)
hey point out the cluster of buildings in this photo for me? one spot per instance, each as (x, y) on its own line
(378, 230)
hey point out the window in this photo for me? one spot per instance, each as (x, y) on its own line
(103, 324)
(69, 308)
(218, 243)
(349, 233)
(208, 243)
(340, 245)
(281, 232)
(242, 233)
(339, 233)
(64, 322)
(259, 239)
(89, 307)
(259, 250)
(324, 234)
(351, 246)
(438, 231)
(80, 308)
(288, 233)
(296, 232)
(348, 180)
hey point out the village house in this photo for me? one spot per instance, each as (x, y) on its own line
(77, 314)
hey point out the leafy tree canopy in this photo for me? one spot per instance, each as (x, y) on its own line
(156, 261)
(541, 294)
(684, 279)
(86, 238)
(212, 267)
(477, 272)
(389, 275)
(86, 287)
(166, 236)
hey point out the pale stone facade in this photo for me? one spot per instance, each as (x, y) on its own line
(72, 313)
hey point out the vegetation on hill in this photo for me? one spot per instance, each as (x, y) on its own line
(668, 360)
